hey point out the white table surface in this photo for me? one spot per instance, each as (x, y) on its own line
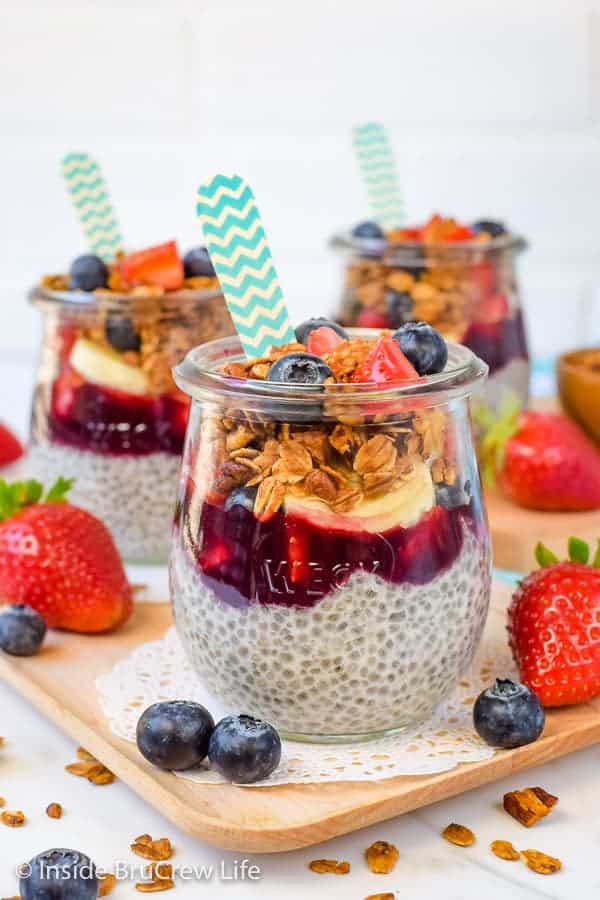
(102, 821)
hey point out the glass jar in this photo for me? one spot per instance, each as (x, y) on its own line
(467, 290)
(330, 566)
(106, 411)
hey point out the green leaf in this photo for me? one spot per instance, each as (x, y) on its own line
(59, 490)
(596, 559)
(7, 501)
(579, 551)
(544, 556)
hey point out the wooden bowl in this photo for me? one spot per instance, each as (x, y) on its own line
(578, 374)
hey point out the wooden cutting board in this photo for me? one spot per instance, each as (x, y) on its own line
(61, 683)
(515, 531)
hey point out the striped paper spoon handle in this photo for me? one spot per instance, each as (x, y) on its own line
(238, 248)
(92, 205)
(379, 173)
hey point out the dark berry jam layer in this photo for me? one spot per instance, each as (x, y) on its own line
(498, 343)
(290, 561)
(93, 418)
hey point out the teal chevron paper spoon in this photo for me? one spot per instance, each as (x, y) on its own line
(92, 204)
(239, 251)
(379, 173)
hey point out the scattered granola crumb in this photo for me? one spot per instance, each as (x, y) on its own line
(386, 896)
(13, 818)
(381, 857)
(2, 802)
(329, 866)
(91, 768)
(529, 805)
(11, 898)
(107, 884)
(504, 850)
(540, 862)
(153, 887)
(156, 851)
(459, 835)
(54, 811)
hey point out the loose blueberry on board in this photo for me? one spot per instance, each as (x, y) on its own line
(304, 329)
(368, 230)
(488, 226)
(22, 630)
(87, 273)
(174, 734)
(299, 368)
(508, 715)
(399, 306)
(244, 749)
(423, 346)
(58, 875)
(197, 264)
(121, 334)
(243, 497)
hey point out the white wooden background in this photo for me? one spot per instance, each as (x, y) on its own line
(494, 109)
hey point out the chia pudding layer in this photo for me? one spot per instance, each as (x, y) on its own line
(132, 495)
(370, 656)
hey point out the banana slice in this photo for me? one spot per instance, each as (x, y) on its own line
(106, 368)
(399, 508)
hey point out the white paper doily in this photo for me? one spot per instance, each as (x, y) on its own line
(160, 671)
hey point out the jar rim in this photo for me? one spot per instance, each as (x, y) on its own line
(198, 376)
(40, 295)
(396, 250)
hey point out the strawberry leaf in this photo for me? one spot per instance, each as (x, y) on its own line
(596, 559)
(579, 551)
(497, 431)
(544, 556)
(15, 496)
(59, 490)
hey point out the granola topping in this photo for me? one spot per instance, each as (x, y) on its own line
(504, 850)
(12, 818)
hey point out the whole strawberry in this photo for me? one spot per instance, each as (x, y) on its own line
(10, 448)
(554, 626)
(542, 461)
(60, 560)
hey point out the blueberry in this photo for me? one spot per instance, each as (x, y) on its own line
(244, 749)
(58, 875)
(196, 263)
(368, 230)
(399, 307)
(87, 273)
(242, 497)
(508, 715)
(299, 368)
(453, 495)
(488, 226)
(121, 334)
(423, 346)
(174, 734)
(22, 630)
(303, 330)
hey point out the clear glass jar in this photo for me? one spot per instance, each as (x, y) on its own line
(467, 290)
(106, 411)
(330, 567)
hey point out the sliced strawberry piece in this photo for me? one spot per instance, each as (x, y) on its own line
(323, 340)
(459, 233)
(492, 309)
(385, 364)
(161, 266)
(298, 549)
(371, 318)
(10, 447)
(64, 390)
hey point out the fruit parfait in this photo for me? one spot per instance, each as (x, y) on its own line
(106, 411)
(459, 278)
(330, 567)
